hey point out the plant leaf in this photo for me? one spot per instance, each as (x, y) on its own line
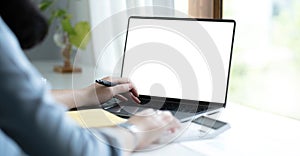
(67, 26)
(44, 5)
(59, 13)
(82, 35)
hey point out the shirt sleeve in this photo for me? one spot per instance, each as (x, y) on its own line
(8, 146)
(31, 118)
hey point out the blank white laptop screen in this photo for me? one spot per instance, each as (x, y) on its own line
(179, 58)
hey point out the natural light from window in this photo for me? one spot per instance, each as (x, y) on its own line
(266, 59)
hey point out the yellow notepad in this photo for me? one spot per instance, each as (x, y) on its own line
(95, 118)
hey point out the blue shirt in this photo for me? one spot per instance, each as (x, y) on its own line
(31, 122)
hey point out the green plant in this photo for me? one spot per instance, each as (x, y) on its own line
(77, 34)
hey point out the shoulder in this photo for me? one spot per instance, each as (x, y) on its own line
(12, 56)
(16, 71)
(10, 50)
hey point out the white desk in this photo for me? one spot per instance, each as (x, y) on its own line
(252, 132)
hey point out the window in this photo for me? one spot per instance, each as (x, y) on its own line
(200, 8)
(205, 8)
(266, 57)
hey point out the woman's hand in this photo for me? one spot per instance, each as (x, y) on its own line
(97, 93)
(124, 89)
(151, 125)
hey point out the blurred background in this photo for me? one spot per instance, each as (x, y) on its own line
(266, 58)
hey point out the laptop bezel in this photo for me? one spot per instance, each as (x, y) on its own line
(188, 19)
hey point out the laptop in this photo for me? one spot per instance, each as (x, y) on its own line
(177, 64)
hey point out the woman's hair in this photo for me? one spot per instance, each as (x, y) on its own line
(25, 20)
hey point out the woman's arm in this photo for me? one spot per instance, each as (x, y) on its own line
(39, 126)
(96, 94)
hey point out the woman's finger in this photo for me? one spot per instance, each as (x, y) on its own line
(134, 98)
(118, 80)
(121, 97)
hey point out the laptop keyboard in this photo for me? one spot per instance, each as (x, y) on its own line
(180, 109)
(129, 108)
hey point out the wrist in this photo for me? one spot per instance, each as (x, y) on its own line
(132, 130)
(85, 97)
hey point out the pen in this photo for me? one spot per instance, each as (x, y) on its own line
(106, 83)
